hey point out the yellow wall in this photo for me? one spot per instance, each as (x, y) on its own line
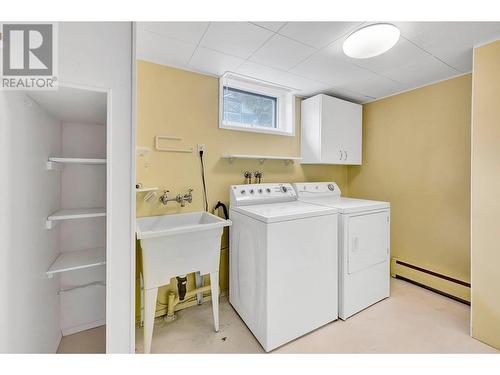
(485, 202)
(179, 103)
(416, 155)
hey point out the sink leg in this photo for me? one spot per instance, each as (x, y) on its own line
(214, 287)
(149, 317)
(199, 284)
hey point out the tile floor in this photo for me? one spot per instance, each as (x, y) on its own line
(412, 320)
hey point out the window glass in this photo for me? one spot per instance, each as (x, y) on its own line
(250, 109)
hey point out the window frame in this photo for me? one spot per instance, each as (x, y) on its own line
(284, 111)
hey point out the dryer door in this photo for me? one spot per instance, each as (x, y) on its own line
(368, 240)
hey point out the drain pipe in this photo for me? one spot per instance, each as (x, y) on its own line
(173, 300)
(181, 286)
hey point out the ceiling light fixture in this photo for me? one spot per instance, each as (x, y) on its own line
(371, 40)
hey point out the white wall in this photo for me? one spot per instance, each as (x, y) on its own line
(29, 320)
(83, 186)
(94, 55)
(100, 55)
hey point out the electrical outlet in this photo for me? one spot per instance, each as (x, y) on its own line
(201, 147)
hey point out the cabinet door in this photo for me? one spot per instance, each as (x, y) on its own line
(352, 141)
(340, 131)
(332, 130)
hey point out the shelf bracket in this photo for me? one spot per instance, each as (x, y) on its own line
(54, 166)
(49, 224)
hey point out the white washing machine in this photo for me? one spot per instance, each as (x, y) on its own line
(364, 245)
(282, 262)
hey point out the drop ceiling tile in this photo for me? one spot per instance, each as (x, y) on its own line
(328, 67)
(415, 75)
(376, 86)
(281, 53)
(348, 95)
(213, 62)
(273, 26)
(239, 39)
(318, 34)
(190, 32)
(163, 50)
(403, 53)
(459, 59)
(298, 84)
(451, 42)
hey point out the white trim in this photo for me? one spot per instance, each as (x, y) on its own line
(133, 98)
(82, 327)
(285, 104)
(471, 189)
(72, 85)
(255, 129)
(482, 45)
(109, 216)
(418, 87)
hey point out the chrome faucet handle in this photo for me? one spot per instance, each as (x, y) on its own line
(258, 176)
(164, 197)
(189, 195)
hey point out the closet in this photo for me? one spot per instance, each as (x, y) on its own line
(76, 221)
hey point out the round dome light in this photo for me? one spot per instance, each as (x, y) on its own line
(371, 40)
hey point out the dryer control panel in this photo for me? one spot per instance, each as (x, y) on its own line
(317, 189)
(244, 195)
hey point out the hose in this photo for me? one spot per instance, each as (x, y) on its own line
(224, 208)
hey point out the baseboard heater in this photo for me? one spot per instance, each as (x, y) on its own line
(448, 286)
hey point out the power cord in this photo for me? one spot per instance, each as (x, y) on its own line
(203, 180)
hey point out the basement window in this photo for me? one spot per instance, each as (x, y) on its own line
(247, 104)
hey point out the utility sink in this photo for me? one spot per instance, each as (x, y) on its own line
(178, 244)
(174, 245)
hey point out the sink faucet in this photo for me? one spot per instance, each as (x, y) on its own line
(182, 199)
(188, 197)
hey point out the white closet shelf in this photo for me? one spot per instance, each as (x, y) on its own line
(75, 260)
(56, 163)
(76, 213)
(262, 158)
(142, 190)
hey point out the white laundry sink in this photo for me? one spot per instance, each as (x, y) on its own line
(174, 245)
(178, 244)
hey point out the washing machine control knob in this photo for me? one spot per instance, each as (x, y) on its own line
(260, 191)
(243, 192)
(251, 191)
(268, 190)
(331, 187)
(284, 189)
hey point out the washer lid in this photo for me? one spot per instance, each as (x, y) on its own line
(276, 212)
(347, 205)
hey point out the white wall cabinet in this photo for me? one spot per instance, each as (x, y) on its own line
(331, 131)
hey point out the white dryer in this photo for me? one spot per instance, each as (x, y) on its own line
(364, 245)
(282, 262)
